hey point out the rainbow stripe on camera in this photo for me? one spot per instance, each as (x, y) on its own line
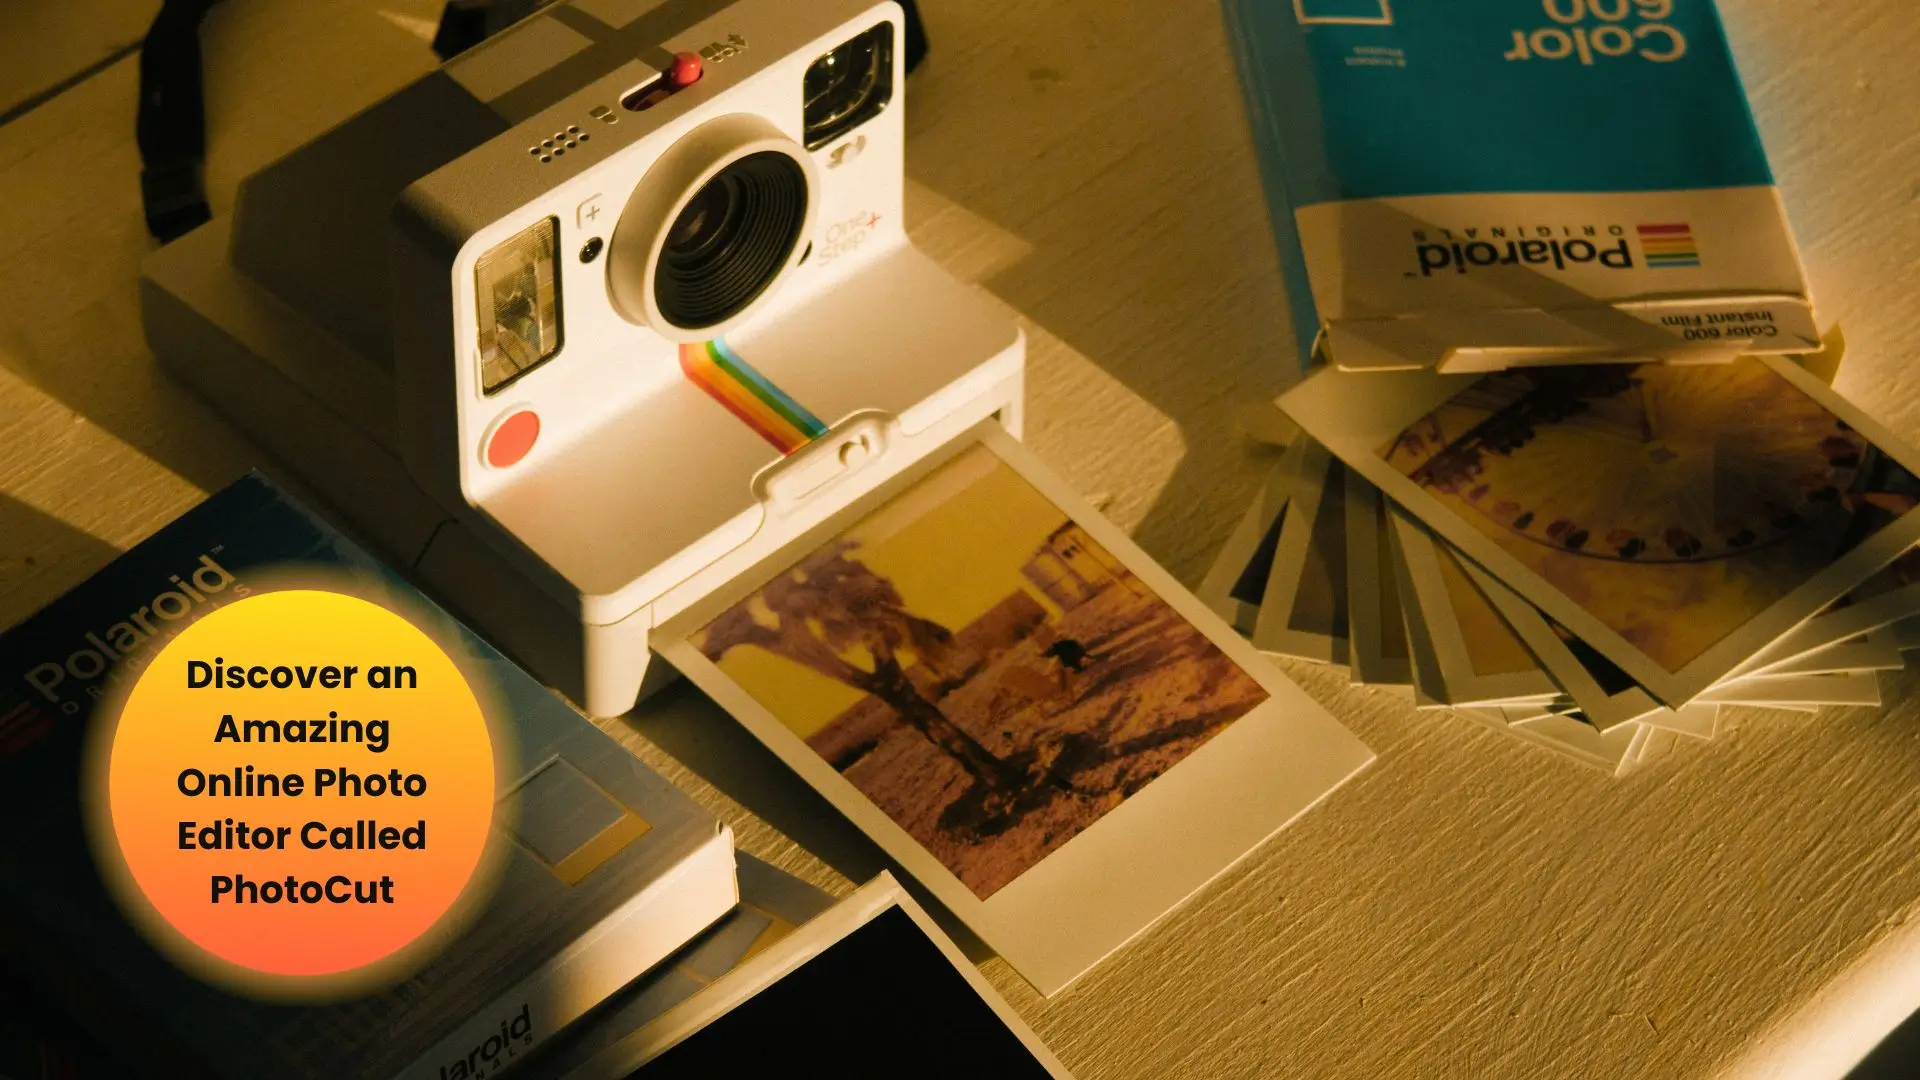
(747, 394)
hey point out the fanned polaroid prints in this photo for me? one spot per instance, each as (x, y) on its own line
(1886, 598)
(1016, 703)
(1429, 689)
(1235, 585)
(1377, 647)
(1480, 648)
(1478, 658)
(1617, 751)
(1699, 721)
(1790, 691)
(1605, 695)
(1303, 613)
(1877, 651)
(1676, 519)
(1593, 558)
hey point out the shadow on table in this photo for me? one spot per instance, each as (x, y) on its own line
(1896, 1058)
(1120, 154)
(71, 212)
(1117, 150)
(41, 557)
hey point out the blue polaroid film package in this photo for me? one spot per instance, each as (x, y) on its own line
(1476, 184)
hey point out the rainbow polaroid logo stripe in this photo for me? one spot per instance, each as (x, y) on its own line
(22, 723)
(1669, 247)
(749, 395)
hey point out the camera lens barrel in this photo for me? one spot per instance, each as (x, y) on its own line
(731, 240)
(711, 229)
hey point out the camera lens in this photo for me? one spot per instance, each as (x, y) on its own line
(702, 220)
(848, 86)
(731, 239)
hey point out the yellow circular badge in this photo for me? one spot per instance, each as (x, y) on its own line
(300, 785)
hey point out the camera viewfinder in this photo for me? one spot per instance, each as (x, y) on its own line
(848, 86)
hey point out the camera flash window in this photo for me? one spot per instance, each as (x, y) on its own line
(517, 304)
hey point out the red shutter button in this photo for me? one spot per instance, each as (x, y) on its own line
(512, 438)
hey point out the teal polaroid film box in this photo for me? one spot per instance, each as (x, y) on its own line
(1476, 184)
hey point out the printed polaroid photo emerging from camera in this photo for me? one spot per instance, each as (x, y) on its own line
(981, 668)
(1025, 711)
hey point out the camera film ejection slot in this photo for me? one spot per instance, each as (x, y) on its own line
(829, 459)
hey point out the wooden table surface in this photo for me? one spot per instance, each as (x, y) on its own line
(1469, 906)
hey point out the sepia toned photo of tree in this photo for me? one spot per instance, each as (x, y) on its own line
(981, 668)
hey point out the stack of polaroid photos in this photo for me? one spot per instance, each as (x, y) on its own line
(1595, 557)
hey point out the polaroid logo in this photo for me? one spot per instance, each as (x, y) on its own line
(101, 649)
(1670, 246)
(492, 1054)
(1591, 31)
(22, 723)
(1461, 254)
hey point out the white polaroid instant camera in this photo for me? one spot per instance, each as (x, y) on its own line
(597, 315)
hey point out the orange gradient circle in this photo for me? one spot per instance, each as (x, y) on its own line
(175, 779)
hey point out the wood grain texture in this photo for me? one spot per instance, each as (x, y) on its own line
(48, 43)
(1469, 906)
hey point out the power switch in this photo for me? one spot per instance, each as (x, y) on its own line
(685, 70)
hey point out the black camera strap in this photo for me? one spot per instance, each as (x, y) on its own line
(913, 36)
(172, 128)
